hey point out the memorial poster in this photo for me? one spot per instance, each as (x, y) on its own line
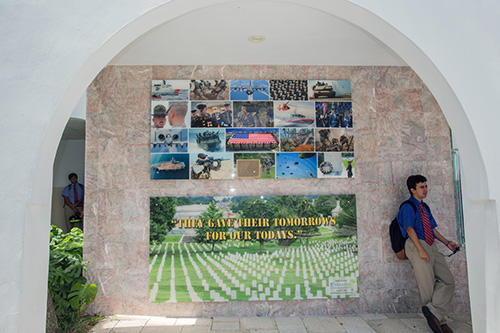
(253, 248)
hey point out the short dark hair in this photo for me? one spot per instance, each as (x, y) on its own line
(413, 180)
(71, 175)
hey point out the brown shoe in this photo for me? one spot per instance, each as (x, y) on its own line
(432, 321)
(446, 329)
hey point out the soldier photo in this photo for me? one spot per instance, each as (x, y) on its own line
(334, 139)
(201, 118)
(203, 166)
(253, 114)
(266, 164)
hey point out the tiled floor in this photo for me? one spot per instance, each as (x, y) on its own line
(390, 323)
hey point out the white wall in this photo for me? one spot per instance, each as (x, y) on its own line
(50, 53)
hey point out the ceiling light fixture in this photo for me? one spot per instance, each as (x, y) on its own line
(257, 38)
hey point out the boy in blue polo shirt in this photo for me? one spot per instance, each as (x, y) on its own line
(434, 278)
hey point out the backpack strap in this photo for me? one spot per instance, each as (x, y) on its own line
(412, 205)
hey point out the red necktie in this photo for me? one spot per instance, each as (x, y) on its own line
(75, 193)
(429, 237)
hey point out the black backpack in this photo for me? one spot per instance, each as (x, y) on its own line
(397, 239)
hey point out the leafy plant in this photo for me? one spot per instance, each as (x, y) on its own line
(68, 287)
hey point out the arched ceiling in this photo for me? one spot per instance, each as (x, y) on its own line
(294, 35)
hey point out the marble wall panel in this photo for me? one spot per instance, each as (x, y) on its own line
(399, 130)
(396, 78)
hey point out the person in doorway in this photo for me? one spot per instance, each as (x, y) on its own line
(73, 202)
(435, 281)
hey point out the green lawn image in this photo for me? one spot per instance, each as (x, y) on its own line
(237, 272)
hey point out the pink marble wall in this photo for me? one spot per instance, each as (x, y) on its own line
(399, 130)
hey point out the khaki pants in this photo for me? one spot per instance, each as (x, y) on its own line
(434, 279)
(70, 212)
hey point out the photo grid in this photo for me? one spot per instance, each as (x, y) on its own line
(230, 129)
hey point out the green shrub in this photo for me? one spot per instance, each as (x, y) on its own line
(68, 287)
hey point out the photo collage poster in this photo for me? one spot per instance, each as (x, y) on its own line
(253, 248)
(230, 129)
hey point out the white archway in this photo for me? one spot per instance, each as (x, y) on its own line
(38, 210)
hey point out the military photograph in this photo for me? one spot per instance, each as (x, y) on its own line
(169, 114)
(296, 165)
(253, 114)
(209, 90)
(169, 166)
(210, 114)
(173, 140)
(172, 90)
(296, 139)
(288, 90)
(294, 114)
(335, 165)
(202, 140)
(159, 114)
(211, 166)
(334, 114)
(329, 90)
(249, 90)
(334, 139)
(255, 165)
(252, 139)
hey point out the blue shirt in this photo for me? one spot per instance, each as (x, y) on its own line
(69, 192)
(408, 218)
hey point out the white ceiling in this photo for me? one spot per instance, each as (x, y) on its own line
(295, 35)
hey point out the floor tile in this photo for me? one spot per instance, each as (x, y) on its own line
(389, 326)
(292, 329)
(162, 329)
(358, 330)
(133, 322)
(161, 321)
(352, 322)
(193, 322)
(135, 329)
(416, 324)
(280, 321)
(226, 326)
(195, 329)
(322, 324)
(460, 327)
(257, 323)
(364, 323)
(225, 319)
(373, 316)
(100, 330)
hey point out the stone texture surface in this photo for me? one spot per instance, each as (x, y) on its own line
(366, 323)
(399, 129)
